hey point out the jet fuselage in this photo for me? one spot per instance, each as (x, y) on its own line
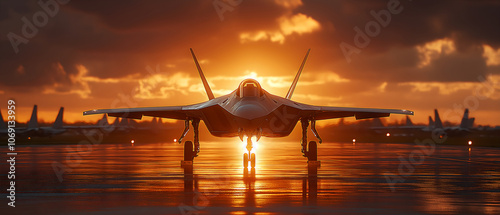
(251, 114)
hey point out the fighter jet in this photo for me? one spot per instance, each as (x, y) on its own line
(250, 111)
(34, 130)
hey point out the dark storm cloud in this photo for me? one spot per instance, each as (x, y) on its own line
(470, 24)
(117, 38)
(417, 23)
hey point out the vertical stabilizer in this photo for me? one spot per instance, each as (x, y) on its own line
(376, 122)
(160, 123)
(431, 122)
(116, 123)
(124, 123)
(132, 123)
(296, 79)
(202, 76)
(103, 121)
(471, 122)
(2, 125)
(464, 124)
(33, 123)
(408, 121)
(341, 122)
(58, 124)
(437, 120)
(154, 123)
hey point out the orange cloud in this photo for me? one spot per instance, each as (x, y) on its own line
(79, 83)
(492, 56)
(78, 86)
(434, 49)
(161, 86)
(290, 4)
(382, 87)
(492, 81)
(298, 23)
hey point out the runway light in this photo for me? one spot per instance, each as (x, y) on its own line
(132, 141)
(470, 142)
(388, 134)
(353, 140)
(175, 140)
(29, 138)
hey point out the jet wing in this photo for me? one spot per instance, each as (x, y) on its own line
(173, 112)
(326, 112)
(329, 112)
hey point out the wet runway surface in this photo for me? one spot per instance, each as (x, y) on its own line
(361, 178)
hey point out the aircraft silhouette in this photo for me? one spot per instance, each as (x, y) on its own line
(249, 111)
(33, 129)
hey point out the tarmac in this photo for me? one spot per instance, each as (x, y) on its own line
(353, 178)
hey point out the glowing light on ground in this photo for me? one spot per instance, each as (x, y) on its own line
(388, 134)
(470, 142)
(255, 145)
(132, 141)
(175, 140)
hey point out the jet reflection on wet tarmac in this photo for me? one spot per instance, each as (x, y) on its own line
(351, 179)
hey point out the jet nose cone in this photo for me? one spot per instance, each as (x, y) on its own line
(250, 111)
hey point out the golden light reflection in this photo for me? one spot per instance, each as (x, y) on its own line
(152, 171)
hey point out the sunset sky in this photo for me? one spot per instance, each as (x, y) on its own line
(108, 54)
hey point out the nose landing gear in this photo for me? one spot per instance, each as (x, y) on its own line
(249, 156)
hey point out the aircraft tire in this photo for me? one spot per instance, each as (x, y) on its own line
(188, 151)
(313, 151)
(252, 160)
(245, 160)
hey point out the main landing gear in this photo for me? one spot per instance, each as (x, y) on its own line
(190, 150)
(249, 156)
(310, 151)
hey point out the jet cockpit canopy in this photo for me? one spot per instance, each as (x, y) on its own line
(249, 88)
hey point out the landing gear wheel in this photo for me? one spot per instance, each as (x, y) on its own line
(252, 160)
(188, 151)
(312, 154)
(245, 160)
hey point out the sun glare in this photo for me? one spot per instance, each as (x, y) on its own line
(251, 74)
(254, 143)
